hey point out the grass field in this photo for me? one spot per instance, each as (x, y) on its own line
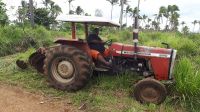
(105, 92)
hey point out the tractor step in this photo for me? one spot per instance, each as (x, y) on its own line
(101, 69)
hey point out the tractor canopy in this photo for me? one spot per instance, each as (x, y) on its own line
(86, 20)
(100, 21)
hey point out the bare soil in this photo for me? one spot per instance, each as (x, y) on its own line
(15, 99)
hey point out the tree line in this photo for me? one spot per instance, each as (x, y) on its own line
(167, 18)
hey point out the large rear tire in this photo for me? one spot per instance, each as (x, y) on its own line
(67, 68)
(150, 91)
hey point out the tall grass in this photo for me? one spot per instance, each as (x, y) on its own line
(15, 39)
(187, 77)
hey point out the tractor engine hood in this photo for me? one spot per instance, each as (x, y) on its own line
(161, 59)
(129, 50)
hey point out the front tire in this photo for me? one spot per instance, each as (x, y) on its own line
(67, 68)
(150, 91)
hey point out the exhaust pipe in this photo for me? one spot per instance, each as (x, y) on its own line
(136, 31)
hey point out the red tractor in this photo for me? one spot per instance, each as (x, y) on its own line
(69, 66)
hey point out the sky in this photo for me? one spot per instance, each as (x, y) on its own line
(189, 9)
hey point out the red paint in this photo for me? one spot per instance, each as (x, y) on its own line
(159, 65)
(124, 47)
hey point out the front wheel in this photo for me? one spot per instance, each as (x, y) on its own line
(150, 91)
(67, 68)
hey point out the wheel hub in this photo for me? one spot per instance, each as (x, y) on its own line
(65, 69)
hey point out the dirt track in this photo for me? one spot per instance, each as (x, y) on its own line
(14, 99)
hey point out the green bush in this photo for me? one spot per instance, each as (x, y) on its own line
(15, 39)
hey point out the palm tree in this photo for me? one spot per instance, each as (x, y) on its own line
(194, 23)
(128, 9)
(70, 1)
(112, 2)
(183, 23)
(56, 10)
(46, 3)
(133, 12)
(173, 16)
(174, 21)
(31, 9)
(154, 24)
(23, 3)
(79, 10)
(174, 8)
(166, 15)
(162, 12)
(51, 3)
(22, 11)
(148, 23)
(148, 20)
(122, 3)
(155, 17)
(185, 30)
(144, 17)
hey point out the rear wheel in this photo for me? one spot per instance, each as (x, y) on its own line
(67, 68)
(150, 91)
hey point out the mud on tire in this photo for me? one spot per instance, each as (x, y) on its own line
(67, 68)
(150, 91)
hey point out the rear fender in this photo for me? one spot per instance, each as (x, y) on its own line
(80, 44)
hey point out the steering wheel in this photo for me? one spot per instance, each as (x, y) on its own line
(108, 42)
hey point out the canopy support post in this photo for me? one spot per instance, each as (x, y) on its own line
(73, 27)
(86, 30)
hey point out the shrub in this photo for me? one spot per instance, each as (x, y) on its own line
(15, 39)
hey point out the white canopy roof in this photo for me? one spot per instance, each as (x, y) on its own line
(87, 19)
